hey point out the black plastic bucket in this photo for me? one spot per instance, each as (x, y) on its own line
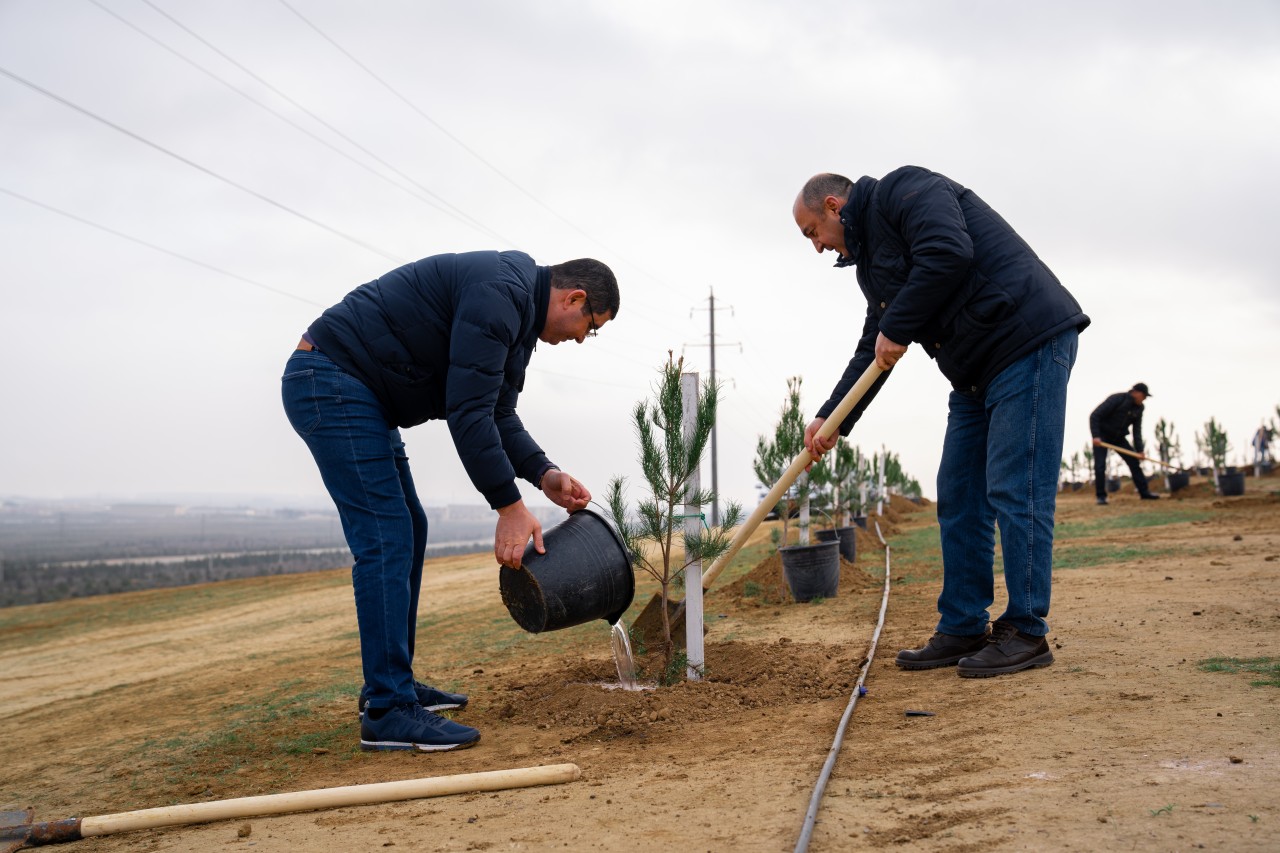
(846, 536)
(1231, 484)
(1179, 480)
(585, 575)
(812, 571)
(861, 521)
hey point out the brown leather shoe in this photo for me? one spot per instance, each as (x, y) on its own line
(941, 650)
(1007, 650)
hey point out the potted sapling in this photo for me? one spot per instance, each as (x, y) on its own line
(1169, 448)
(811, 571)
(1230, 482)
(831, 475)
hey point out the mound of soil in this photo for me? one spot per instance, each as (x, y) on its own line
(741, 676)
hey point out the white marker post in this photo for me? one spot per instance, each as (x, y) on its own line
(692, 524)
(884, 455)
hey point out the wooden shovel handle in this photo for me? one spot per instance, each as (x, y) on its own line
(324, 798)
(837, 416)
(1137, 455)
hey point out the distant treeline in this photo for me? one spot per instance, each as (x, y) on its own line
(30, 582)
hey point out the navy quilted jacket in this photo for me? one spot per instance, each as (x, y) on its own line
(941, 269)
(449, 337)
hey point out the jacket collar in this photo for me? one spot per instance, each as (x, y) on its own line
(851, 217)
(541, 302)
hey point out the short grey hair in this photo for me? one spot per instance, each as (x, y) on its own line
(817, 188)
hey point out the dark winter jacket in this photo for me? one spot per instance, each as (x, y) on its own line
(1114, 417)
(940, 268)
(449, 337)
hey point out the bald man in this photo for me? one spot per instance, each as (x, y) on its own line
(941, 269)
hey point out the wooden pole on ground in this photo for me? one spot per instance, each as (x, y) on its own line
(298, 801)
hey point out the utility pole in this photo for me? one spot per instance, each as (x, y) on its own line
(715, 474)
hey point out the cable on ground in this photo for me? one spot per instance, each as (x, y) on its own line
(811, 816)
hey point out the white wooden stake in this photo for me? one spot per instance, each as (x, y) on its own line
(883, 457)
(692, 524)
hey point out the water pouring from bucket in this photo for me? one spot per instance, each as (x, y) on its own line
(584, 575)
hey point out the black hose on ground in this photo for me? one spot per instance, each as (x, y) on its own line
(811, 816)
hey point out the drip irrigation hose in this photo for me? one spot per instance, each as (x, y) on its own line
(811, 816)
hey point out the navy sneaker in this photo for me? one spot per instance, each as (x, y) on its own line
(414, 727)
(428, 697)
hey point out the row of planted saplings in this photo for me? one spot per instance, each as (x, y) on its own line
(840, 488)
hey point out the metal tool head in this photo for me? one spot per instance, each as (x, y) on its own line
(15, 826)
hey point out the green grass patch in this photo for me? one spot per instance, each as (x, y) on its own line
(1086, 556)
(1267, 667)
(915, 556)
(285, 722)
(1158, 518)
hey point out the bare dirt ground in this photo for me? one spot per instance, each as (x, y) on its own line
(1126, 743)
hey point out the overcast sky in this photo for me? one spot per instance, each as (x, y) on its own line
(197, 181)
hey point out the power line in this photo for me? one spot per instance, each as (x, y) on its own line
(457, 212)
(155, 247)
(82, 220)
(356, 240)
(426, 199)
(438, 126)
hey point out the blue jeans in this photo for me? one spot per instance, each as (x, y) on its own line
(363, 464)
(1000, 465)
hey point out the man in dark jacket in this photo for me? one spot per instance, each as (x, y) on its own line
(1111, 422)
(940, 268)
(448, 337)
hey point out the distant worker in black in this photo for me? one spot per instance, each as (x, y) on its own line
(1110, 423)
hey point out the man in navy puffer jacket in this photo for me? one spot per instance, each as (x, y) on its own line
(447, 338)
(940, 268)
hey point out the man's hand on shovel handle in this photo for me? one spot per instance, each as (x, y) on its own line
(887, 352)
(816, 444)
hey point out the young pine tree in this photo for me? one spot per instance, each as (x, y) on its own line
(668, 459)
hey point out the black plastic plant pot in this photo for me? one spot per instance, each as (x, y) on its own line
(846, 536)
(1231, 484)
(861, 521)
(1113, 484)
(585, 575)
(812, 571)
(1179, 480)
